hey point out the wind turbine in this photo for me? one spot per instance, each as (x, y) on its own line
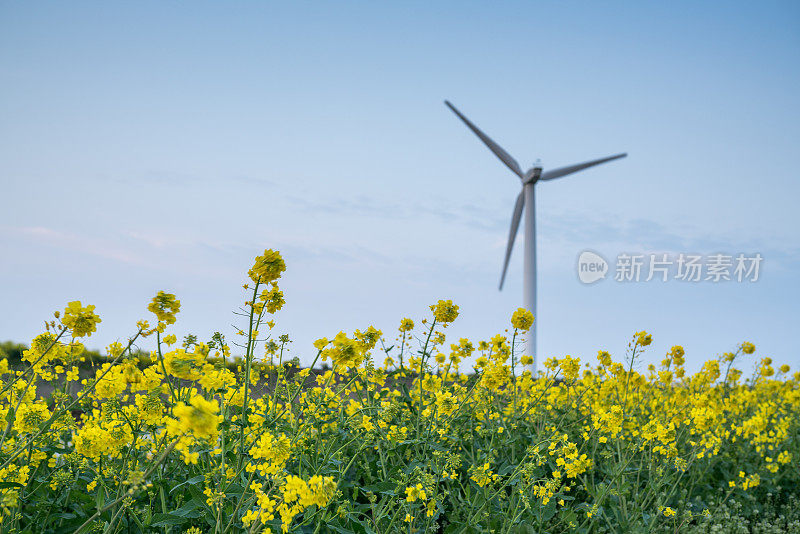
(529, 179)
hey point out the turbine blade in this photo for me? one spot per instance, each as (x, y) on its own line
(504, 156)
(512, 234)
(563, 171)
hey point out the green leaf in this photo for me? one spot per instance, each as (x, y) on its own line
(549, 511)
(167, 520)
(190, 509)
(100, 498)
(506, 469)
(137, 521)
(192, 481)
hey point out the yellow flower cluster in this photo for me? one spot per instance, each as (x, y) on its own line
(185, 365)
(267, 267)
(483, 475)
(522, 319)
(270, 454)
(414, 493)
(165, 306)
(346, 352)
(199, 418)
(298, 495)
(445, 311)
(81, 320)
(406, 325)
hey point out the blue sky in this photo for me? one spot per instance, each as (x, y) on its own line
(162, 146)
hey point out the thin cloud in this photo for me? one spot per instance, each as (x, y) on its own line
(81, 243)
(469, 214)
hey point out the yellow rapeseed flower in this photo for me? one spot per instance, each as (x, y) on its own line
(81, 321)
(165, 306)
(406, 325)
(344, 351)
(199, 417)
(522, 319)
(643, 338)
(267, 267)
(445, 311)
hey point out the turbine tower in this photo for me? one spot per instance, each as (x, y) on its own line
(525, 198)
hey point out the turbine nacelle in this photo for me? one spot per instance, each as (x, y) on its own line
(532, 175)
